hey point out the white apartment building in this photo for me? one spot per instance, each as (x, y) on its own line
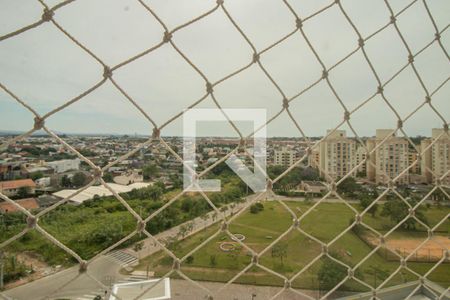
(360, 156)
(61, 166)
(389, 159)
(284, 157)
(436, 158)
(337, 155)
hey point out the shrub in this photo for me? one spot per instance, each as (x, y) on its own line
(189, 259)
(256, 208)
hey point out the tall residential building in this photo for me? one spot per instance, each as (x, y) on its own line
(436, 158)
(284, 157)
(412, 157)
(314, 158)
(337, 154)
(389, 159)
(360, 156)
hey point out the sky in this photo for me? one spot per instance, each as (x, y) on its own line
(45, 69)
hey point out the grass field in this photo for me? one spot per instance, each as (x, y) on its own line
(324, 223)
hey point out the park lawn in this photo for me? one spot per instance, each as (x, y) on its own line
(434, 215)
(324, 222)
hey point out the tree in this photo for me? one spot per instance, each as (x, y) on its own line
(348, 187)
(256, 208)
(23, 191)
(138, 246)
(280, 250)
(213, 260)
(397, 210)
(65, 181)
(155, 192)
(108, 177)
(330, 274)
(79, 179)
(189, 259)
(149, 171)
(36, 175)
(366, 202)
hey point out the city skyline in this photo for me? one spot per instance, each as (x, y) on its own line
(45, 69)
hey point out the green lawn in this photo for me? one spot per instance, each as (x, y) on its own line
(324, 223)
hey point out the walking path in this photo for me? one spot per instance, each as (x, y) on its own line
(149, 245)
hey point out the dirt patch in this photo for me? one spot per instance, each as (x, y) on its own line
(39, 269)
(433, 249)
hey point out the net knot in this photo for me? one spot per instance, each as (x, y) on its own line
(224, 226)
(209, 88)
(167, 37)
(333, 187)
(380, 89)
(438, 182)
(399, 123)
(403, 262)
(107, 73)
(324, 74)
(140, 227)
(410, 58)
(38, 123)
(427, 99)
(298, 23)
(287, 284)
(255, 259)
(176, 264)
(391, 184)
(156, 133)
(437, 36)
(83, 266)
(393, 19)
(219, 2)
(255, 58)
(47, 15)
(285, 103)
(31, 221)
(361, 42)
(97, 172)
(346, 115)
(350, 273)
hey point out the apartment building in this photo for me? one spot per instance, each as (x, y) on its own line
(389, 159)
(436, 159)
(314, 158)
(337, 154)
(284, 157)
(360, 156)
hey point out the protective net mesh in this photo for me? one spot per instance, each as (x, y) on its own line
(50, 15)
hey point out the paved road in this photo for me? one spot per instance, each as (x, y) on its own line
(47, 286)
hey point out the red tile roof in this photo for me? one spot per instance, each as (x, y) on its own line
(28, 204)
(15, 184)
